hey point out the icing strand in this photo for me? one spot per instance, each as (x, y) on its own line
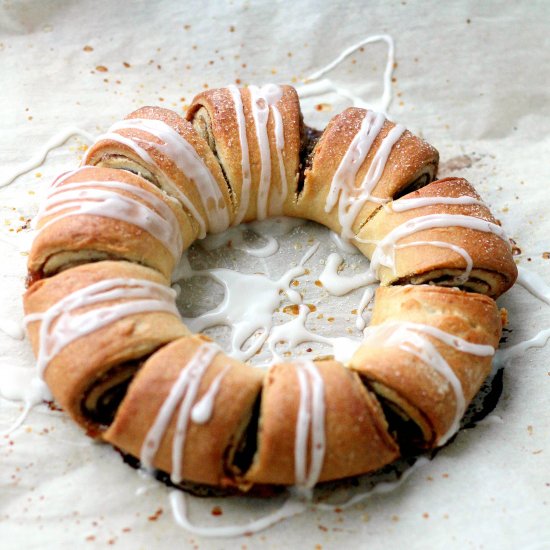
(291, 507)
(38, 159)
(83, 198)
(310, 439)
(60, 324)
(533, 283)
(183, 394)
(202, 410)
(402, 205)
(388, 71)
(366, 299)
(504, 357)
(340, 285)
(343, 191)
(384, 253)
(461, 279)
(263, 101)
(245, 155)
(294, 333)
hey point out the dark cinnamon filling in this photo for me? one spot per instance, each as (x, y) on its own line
(248, 445)
(310, 138)
(102, 399)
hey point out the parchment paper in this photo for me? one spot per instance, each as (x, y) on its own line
(472, 80)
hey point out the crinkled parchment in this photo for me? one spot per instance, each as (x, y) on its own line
(472, 80)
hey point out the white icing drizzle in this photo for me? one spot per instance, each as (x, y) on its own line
(100, 198)
(245, 154)
(344, 245)
(21, 384)
(461, 279)
(339, 285)
(60, 324)
(294, 333)
(186, 158)
(248, 304)
(263, 101)
(384, 253)
(183, 395)
(38, 159)
(267, 229)
(343, 191)
(202, 410)
(412, 338)
(326, 85)
(310, 438)
(533, 283)
(146, 158)
(291, 507)
(382, 488)
(504, 357)
(402, 205)
(366, 299)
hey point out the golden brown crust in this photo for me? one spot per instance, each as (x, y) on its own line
(75, 368)
(411, 161)
(412, 385)
(207, 446)
(84, 238)
(213, 114)
(494, 270)
(164, 171)
(357, 439)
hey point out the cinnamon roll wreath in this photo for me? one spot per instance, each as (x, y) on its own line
(109, 341)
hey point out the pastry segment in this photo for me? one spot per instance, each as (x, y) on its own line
(97, 214)
(435, 235)
(90, 337)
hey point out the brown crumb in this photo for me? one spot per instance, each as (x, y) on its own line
(546, 255)
(156, 515)
(126, 64)
(101, 69)
(87, 49)
(216, 511)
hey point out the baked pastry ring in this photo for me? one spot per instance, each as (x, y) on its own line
(112, 348)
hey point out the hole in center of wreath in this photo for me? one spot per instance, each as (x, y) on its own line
(257, 290)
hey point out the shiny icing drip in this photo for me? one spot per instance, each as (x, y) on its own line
(245, 154)
(266, 229)
(61, 324)
(202, 410)
(248, 304)
(402, 205)
(340, 285)
(38, 159)
(186, 158)
(183, 394)
(294, 333)
(533, 283)
(343, 191)
(413, 338)
(100, 198)
(263, 100)
(310, 438)
(384, 253)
